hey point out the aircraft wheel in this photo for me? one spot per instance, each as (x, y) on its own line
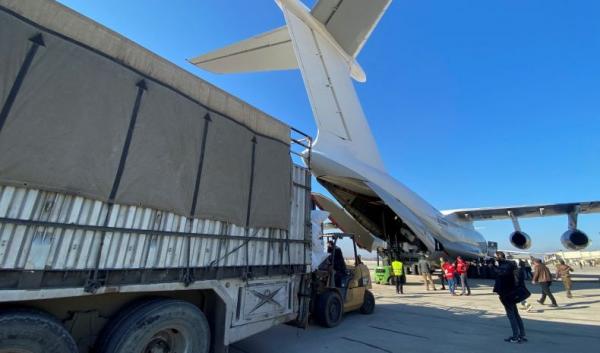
(157, 325)
(329, 309)
(33, 331)
(368, 303)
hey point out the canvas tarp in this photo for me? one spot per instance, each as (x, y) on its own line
(78, 114)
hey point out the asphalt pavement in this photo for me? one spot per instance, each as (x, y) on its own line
(424, 322)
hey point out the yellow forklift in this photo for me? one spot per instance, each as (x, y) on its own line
(338, 288)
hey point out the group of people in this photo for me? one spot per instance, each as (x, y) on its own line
(455, 273)
(509, 283)
(511, 289)
(452, 273)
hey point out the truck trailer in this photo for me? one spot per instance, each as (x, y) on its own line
(142, 209)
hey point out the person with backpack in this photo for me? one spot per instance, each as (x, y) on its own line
(510, 287)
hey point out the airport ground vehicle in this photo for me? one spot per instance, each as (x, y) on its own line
(383, 274)
(334, 294)
(141, 208)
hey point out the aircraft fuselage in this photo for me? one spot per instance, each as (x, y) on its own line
(358, 186)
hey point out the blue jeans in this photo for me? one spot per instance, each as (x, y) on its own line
(451, 284)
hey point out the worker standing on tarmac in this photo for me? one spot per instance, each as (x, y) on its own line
(441, 275)
(461, 268)
(564, 271)
(449, 272)
(426, 270)
(542, 275)
(398, 269)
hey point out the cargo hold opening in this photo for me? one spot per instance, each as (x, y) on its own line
(373, 214)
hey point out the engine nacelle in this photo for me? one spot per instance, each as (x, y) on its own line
(520, 240)
(574, 239)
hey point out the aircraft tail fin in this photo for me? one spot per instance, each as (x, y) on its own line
(317, 44)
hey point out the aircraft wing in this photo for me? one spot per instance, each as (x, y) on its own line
(268, 51)
(492, 213)
(348, 224)
(350, 22)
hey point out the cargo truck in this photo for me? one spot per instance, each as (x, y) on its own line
(141, 208)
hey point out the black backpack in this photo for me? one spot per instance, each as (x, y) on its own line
(520, 292)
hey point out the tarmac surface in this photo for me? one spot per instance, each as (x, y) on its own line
(434, 321)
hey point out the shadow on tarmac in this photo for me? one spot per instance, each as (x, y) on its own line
(405, 328)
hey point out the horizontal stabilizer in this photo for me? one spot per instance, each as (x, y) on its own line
(266, 52)
(350, 22)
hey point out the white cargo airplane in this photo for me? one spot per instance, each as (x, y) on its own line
(323, 43)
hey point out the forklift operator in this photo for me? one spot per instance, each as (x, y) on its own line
(337, 259)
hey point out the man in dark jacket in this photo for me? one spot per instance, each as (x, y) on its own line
(542, 275)
(507, 280)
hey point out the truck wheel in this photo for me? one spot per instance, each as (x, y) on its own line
(390, 280)
(368, 305)
(157, 326)
(33, 331)
(329, 309)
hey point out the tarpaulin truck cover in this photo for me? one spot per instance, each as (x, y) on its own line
(113, 159)
(88, 112)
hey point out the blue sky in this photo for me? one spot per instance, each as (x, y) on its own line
(472, 103)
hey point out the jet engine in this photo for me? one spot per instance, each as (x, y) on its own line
(574, 239)
(521, 240)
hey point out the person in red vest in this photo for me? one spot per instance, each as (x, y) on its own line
(462, 267)
(449, 273)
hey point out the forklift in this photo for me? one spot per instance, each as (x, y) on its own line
(335, 293)
(384, 275)
(383, 272)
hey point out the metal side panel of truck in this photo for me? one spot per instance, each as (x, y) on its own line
(141, 208)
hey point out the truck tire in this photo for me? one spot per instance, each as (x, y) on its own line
(111, 328)
(368, 303)
(33, 331)
(157, 325)
(329, 309)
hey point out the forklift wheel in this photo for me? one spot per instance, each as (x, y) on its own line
(329, 309)
(368, 303)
